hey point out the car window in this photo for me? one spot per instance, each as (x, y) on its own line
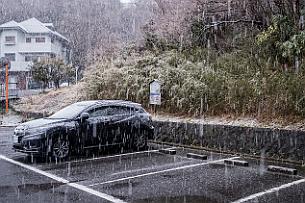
(97, 112)
(120, 110)
(111, 111)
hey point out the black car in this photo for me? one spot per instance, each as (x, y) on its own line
(85, 125)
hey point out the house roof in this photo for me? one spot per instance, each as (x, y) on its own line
(12, 24)
(32, 26)
(9, 24)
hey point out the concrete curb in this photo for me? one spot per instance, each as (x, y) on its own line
(283, 170)
(197, 156)
(9, 126)
(237, 163)
(168, 151)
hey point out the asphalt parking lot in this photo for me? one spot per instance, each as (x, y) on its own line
(143, 177)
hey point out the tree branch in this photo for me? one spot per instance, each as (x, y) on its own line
(215, 24)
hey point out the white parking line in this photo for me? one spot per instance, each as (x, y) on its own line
(163, 171)
(148, 168)
(62, 180)
(270, 191)
(118, 155)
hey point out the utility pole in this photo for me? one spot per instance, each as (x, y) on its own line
(76, 74)
(5, 66)
(6, 88)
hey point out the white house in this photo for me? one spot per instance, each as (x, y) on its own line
(28, 41)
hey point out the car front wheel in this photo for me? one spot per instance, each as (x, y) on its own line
(61, 148)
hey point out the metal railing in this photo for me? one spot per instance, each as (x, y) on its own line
(16, 93)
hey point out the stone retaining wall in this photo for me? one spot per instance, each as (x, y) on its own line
(270, 143)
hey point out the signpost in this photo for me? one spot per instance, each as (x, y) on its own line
(5, 64)
(155, 94)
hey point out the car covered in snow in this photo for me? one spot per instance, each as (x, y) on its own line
(85, 125)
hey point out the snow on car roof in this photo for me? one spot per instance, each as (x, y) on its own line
(108, 102)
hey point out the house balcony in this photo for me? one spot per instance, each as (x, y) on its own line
(10, 43)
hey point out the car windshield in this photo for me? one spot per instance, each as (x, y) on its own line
(69, 112)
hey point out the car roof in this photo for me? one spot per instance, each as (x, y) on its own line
(108, 102)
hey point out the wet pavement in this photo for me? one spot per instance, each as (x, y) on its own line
(142, 177)
(21, 185)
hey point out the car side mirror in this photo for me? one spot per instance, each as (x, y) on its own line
(84, 116)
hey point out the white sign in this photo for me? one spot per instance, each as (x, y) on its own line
(155, 93)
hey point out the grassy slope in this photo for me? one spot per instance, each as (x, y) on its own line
(49, 102)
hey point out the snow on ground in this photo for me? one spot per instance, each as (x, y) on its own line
(49, 102)
(240, 121)
(10, 120)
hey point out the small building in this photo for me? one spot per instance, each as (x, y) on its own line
(28, 41)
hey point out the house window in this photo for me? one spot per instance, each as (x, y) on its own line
(10, 39)
(40, 39)
(52, 40)
(28, 40)
(31, 58)
(10, 56)
(35, 59)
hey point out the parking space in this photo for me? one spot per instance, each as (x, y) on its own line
(152, 176)
(20, 185)
(109, 167)
(211, 182)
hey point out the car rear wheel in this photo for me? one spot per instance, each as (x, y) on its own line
(140, 142)
(61, 148)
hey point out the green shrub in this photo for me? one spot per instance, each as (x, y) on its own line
(232, 83)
